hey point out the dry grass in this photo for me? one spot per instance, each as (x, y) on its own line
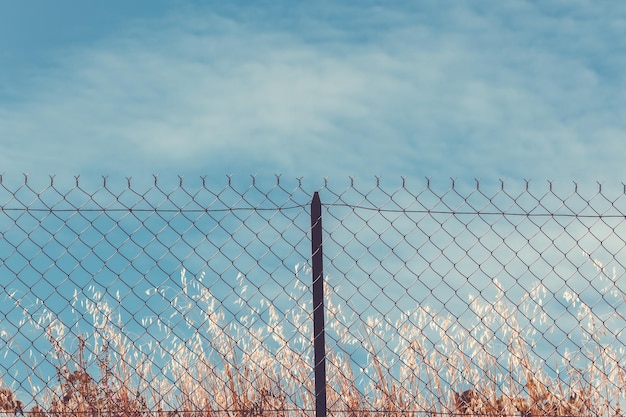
(424, 364)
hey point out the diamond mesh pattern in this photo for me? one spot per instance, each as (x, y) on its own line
(173, 297)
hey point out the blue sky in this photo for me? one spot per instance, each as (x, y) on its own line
(491, 89)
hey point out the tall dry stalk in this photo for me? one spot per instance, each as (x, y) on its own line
(205, 362)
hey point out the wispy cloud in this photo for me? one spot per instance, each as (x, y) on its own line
(517, 90)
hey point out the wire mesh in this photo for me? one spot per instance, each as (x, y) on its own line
(174, 297)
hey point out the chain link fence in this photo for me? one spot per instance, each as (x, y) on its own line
(174, 297)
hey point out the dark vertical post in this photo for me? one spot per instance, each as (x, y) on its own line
(319, 344)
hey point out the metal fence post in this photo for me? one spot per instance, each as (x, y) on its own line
(318, 307)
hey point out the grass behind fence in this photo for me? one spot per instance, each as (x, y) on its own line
(260, 363)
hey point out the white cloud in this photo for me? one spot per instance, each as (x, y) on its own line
(481, 93)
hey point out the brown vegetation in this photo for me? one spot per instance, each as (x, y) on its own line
(259, 368)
